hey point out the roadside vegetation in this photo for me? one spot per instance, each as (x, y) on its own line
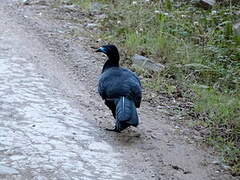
(201, 53)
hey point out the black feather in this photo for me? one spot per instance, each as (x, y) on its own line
(120, 88)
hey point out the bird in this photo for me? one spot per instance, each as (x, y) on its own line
(120, 89)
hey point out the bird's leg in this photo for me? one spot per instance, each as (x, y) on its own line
(114, 129)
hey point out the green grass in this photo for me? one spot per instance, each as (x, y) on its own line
(197, 47)
(85, 4)
(223, 121)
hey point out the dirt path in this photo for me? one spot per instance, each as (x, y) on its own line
(41, 135)
(61, 135)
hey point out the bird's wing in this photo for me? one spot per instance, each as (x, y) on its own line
(117, 82)
(136, 92)
(136, 88)
(101, 88)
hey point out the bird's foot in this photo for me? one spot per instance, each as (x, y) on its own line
(114, 129)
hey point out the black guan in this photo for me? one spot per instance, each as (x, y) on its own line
(121, 90)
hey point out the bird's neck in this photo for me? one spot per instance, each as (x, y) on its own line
(109, 64)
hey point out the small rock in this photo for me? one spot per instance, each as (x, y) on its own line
(101, 16)
(68, 2)
(153, 136)
(225, 167)
(91, 25)
(4, 170)
(96, 7)
(237, 13)
(39, 178)
(146, 63)
(176, 167)
(147, 159)
(26, 2)
(216, 162)
(42, 3)
(205, 4)
(236, 28)
(170, 145)
(187, 172)
(69, 8)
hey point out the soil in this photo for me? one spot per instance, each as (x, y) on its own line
(56, 41)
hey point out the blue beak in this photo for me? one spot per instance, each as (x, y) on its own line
(102, 49)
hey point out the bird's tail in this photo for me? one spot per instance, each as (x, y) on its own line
(126, 113)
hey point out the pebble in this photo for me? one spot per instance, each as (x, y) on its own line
(216, 162)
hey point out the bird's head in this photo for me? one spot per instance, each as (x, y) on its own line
(111, 51)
